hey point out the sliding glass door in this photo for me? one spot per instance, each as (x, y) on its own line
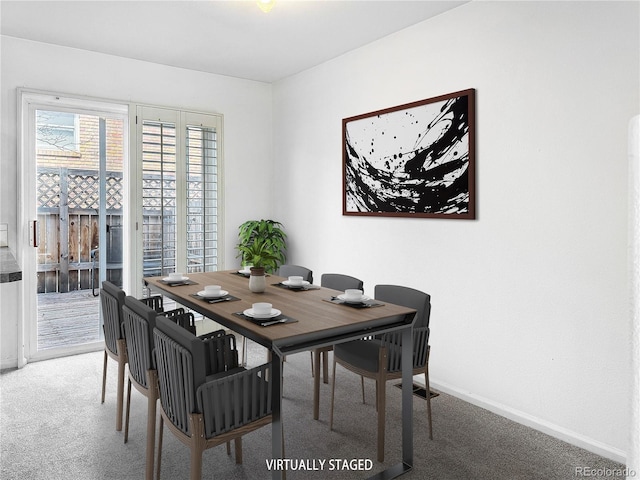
(73, 166)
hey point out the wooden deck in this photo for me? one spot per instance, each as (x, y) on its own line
(73, 318)
(66, 319)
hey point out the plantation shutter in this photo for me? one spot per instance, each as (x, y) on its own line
(179, 191)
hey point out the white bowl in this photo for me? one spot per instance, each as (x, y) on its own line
(212, 289)
(262, 308)
(295, 281)
(352, 294)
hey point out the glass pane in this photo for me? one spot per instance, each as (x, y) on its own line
(68, 186)
(58, 130)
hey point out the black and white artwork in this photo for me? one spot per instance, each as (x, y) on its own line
(416, 159)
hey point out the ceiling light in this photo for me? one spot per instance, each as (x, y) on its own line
(266, 5)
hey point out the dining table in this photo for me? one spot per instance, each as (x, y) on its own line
(310, 317)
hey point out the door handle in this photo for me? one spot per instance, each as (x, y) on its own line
(33, 233)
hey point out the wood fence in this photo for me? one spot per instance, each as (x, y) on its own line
(68, 251)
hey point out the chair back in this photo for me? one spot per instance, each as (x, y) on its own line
(139, 320)
(155, 302)
(338, 281)
(419, 301)
(175, 377)
(222, 352)
(185, 319)
(297, 270)
(184, 361)
(407, 297)
(111, 302)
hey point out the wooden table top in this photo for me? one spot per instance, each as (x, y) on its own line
(319, 321)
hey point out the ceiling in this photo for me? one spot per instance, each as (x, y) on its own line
(232, 37)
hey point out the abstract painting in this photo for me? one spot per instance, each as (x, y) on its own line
(413, 160)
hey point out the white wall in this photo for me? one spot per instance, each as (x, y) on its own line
(246, 106)
(530, 301)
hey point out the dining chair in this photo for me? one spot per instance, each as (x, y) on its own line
(206, 398)
(184, 319)
(155, 302)
(380, 357)
(139, 320)
(341, 282)
(115, 345)
(112, 299)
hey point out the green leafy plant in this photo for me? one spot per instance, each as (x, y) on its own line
(259, 255)
(262, 243)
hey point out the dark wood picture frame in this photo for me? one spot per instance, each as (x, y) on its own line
(413, 160)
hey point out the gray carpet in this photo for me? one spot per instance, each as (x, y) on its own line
(54, 427)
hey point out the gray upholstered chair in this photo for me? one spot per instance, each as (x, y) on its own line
(184, 319)
(206, 398)
(115, 345)
(139, 321)
(112, 299)
(155, 302)
(380, 357)
(341, 282)
(297, 270)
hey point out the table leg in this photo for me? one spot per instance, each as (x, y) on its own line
(276, 414)
(407, 397)
(316, 384)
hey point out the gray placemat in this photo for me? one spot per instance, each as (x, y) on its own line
(177, 284)
(366, 304)
(301, 288)
(267, 322)
(226, 298)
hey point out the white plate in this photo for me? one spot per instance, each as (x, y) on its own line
(244, 272)
(204, 294)
(274, 313)
(298, 285)
(174, 280)
(363, 298)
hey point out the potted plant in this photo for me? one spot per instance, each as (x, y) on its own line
(262, 244)
(272, 239)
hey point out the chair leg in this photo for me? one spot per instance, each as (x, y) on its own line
(362, 384)
(126, 422)
(325, 367)
(120, 394)
(238, 447)
(381, 392)
(104, 378)
(426, 382)
(160, 430)
(333, 393)
(196, 463)
(377, 398)
(151, 434)
(122, 360)
(244, 351)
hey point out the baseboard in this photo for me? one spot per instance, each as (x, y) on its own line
(543, 426)
(8, 364)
